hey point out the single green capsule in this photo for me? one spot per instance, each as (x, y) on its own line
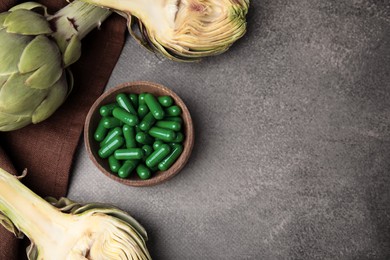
(106, 110)
(108, 149)
(125, 103)
(165, 101)
(114, 164)
(141, 99)
(179, 138)
(157, 144)
(100, 132)
(111, 122)
(143, 172)
(143, 110)
(125, 116)
(143, 138)
(171, 125)
(157, 156)
(173, 111)
(117, 131)
(171, 158)
(129, 135)
(154, 106)
(129, 154)
(134, 100)
(148, 150)
(147, 122)
(127, 168)
(162, 134)
(174, 119)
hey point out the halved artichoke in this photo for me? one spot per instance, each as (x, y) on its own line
(183, 30)
(65, 230)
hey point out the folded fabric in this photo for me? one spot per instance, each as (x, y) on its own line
(47, 149)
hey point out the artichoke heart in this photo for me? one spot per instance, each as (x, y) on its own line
(65, 230)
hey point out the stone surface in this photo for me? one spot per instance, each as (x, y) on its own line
(292, 152)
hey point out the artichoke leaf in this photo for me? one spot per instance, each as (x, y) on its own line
(11, 43)
(73, 51)
(11, 122)
(3, 80)
(70, 80)
(131, 20)
(55, 97)
(25, 22)
(3, 16)
(32, 252)
(44, 58)
(7, 224)
(39, 8)
(17, 98)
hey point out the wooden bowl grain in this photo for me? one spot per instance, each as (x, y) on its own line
(139, 87)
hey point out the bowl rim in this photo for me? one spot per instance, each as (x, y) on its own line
(159, 177)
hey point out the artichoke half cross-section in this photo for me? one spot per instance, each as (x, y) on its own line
(183, 30)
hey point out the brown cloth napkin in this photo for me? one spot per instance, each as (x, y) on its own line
(47, 149)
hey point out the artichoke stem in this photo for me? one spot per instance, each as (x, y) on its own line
(41, 222)
(76, 19)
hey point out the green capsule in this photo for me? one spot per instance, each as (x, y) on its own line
(158, 155)
(129, 134)
(173, 111)
(100, 132)
(165, 101)
(117, 131)
(106, 110)
(174, 119)
(148, 150)
(127, 168)
(134, 99)
(147, 122)
(141, 99)
(129, 154)
(125, 116)
(154, 106)
(143, 110)
(171, 158)
(171, 125)
(114, 164)
(109, 148)
(111, 122)
(125, 103)
(162, 134)
(179, 138)
(157, 144)
(143, 172)
(143, 138)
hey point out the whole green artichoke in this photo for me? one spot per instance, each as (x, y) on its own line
(36, 48)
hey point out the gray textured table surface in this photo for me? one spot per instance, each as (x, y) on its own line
(292, 153)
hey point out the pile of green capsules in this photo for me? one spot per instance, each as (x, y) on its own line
(140, 133)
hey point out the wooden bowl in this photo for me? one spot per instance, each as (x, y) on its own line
(94, 117)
